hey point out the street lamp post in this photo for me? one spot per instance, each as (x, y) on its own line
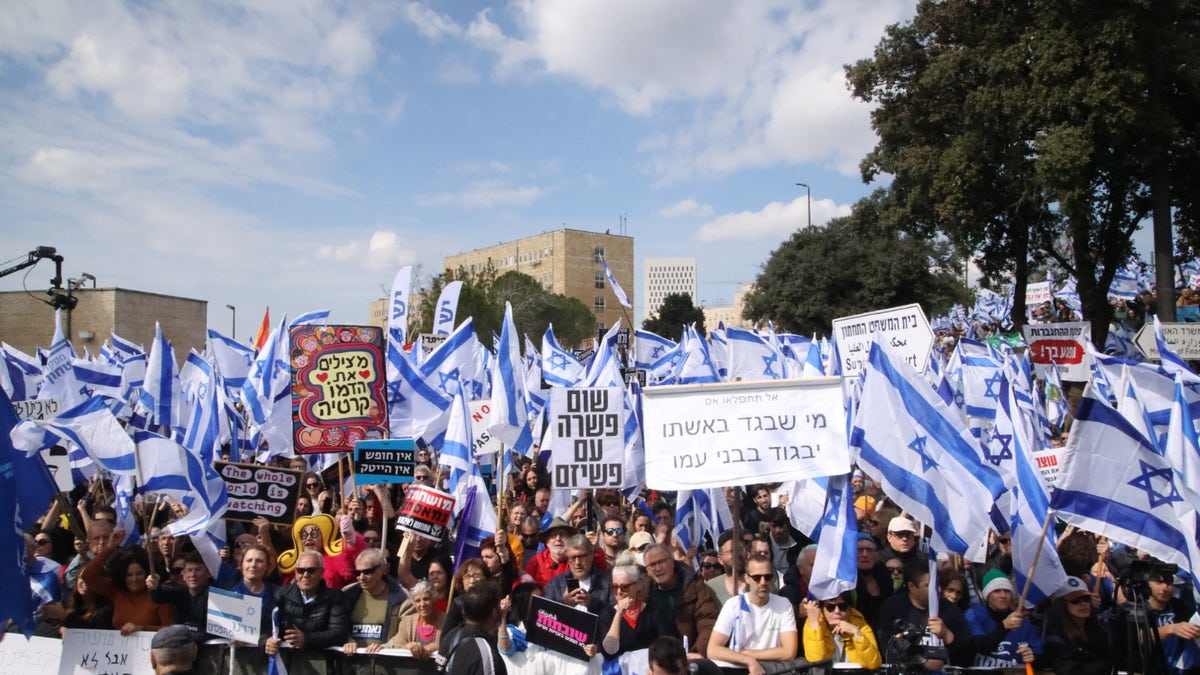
(809, 191)
(233, 327)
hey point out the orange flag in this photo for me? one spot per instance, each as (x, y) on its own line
(260, 338)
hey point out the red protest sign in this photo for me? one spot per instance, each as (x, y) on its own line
(425, 512)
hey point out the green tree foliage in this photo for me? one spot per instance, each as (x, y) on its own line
(677, 311)
(852, 265)
(1033, 130)
(483, 296)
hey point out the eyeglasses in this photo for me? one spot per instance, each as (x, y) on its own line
(310, 533)
(622, 587)
(835, 606)
(902, 534)
(614, 531)
(711, 566)
(472, 576)
(759, 578)
(359, 573)
(1079, 600)
(304, 571)
(578, 557)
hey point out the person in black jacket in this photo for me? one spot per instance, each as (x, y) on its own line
(474, 651)
(190, 601)
(312, 615)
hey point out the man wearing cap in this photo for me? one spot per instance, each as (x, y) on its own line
(592, 592)
(173, 650)
(1170, 614)
(1001, 635)
(909, 608)
(676, 591)
(902, 541)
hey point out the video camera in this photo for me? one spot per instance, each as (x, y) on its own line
(1141, 571)
(913, 646)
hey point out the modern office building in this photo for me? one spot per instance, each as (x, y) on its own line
(26, 322)
(566, 262)
(666, 276)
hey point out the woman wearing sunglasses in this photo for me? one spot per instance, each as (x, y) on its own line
(835, 630)
(1076, 642)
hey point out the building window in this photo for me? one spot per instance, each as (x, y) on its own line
(601, 329)
(600, 279)
(597, 253)
(599, 303)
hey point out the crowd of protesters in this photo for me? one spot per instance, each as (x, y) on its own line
(341, 576)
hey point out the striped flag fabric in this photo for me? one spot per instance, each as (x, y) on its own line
(616, 287)
(835, 568)
(510, 413)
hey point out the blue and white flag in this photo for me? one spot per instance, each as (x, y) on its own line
(560, 368)
(476, 522)
(718, 349)
(1030, 503)
(21, 375)
(232, 359)
(1054, 398)
(97, 378)
(168, 468)
(1126, 282)
(202, 423)
(699, 512)
(1115, 484)
(1069, 295)
(752, 357)
(928, 463)
(605, 367)
(58, 376)
(161, 396)
(447, 308)
(1182, 448)
(90, 426)
(458, 452)
(656, 355)
(319, 316)
(510, 415)
(612, 281)
(125, 348)
(1171, 362)
(696, 367)
(267, 393)
(806, 504)
(835, 568)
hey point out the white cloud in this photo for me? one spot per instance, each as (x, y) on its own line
(777, 219)
(383, 250)
(486, 194)
(687, 207)
(430, 24)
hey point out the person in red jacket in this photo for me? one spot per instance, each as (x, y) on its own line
(552, 560)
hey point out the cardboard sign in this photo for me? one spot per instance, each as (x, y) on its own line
(234, 616)
(1064, 344)
(427, 343)
(713, 435)
(425, 512)
(485, 442)
(561, 628)
(587, 437)
(38, 655)
(1049, 462)
(389, 461)
(87, 650)
(37, 409)
(338, 387)
(906, 330)
(256, 490)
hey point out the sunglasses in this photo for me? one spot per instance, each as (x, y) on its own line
(359, 573)
(312, 485)
(304, 571)
(310, 533)
(614, 531)
(41, 542)
(759, 578)
(896, 570)
(371, 540)
(711, 566)
(622, 587)
(835, 606)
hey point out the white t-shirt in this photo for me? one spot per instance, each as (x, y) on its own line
(752, 627)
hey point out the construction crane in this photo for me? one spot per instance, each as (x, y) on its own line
(58, 298)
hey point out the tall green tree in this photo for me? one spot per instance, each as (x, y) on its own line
(1035, 130)
(677, 310)
(851, 265)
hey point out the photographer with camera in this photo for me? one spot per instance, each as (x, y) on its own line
(1170, 615)
(906, 617)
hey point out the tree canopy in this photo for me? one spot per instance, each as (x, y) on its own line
(1037, 130)
(677, 310)
(852, 265)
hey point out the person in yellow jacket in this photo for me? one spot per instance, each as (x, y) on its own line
(835, 630)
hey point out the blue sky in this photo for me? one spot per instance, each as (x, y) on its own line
(296, 154)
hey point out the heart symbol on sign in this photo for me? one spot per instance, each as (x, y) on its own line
(321, 377)
(365, 374)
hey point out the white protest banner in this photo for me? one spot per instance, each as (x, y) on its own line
(234, 616)
(86, 651)
(38, 409)
(485, 442)
(906, 330)
(1036, 293)
(713, 435)
(38, 655)
(587, 442)
(1063, 344)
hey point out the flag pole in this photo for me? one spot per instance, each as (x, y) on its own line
(1036, 556)
(1103, 567)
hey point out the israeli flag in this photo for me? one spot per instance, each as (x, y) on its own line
(701, 512)
(752, 357)
(560, 368)
(510, 413)
(835, 569)
(160, 397)
(612, 281)
(91, 426)
(1115, 484)
(928, 463)
(21, 374)
(319, 316)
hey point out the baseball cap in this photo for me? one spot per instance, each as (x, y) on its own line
(901, 524)
(171, 637)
